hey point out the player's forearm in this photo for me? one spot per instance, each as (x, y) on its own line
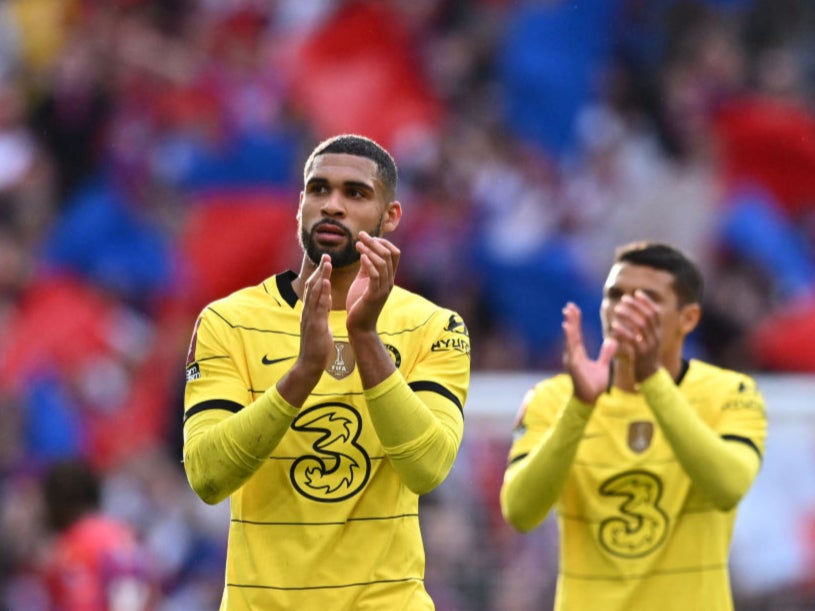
(421, 442)
(722, 470)
(296, 386)
(222, 450)
(532, 485)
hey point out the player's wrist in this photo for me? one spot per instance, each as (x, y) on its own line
(296, 386)
(363, 338)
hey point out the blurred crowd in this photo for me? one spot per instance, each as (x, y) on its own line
(151, 156)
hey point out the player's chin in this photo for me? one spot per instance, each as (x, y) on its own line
(341, 257)
(315, 251)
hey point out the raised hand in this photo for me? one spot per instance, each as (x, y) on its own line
(590, 378)
(369, 291)
(316, 339)
(637, 327)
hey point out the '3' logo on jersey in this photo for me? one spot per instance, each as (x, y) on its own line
(339, 467)
(640, 525)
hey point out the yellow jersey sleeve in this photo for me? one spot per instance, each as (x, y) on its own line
(541, 458)
(223, 450)
(212, 371)
(421, 438)
(722, 463)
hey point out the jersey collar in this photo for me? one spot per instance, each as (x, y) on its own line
(285, 287)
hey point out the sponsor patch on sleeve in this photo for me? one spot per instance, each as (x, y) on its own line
(456, 337)
(193, 372)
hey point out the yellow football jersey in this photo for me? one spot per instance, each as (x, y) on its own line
(635, 533)
(326, 522)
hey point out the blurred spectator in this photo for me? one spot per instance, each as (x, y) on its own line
(549, 66)
(72, 108)
(358, 71)
(95, 563)
(103, 236)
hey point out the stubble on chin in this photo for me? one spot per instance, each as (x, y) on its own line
(340, 257)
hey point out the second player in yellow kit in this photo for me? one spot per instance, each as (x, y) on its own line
(644, 455)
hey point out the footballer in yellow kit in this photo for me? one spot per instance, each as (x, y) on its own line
(636, 534)
(324, 424)
(327, 491)
(644, 455)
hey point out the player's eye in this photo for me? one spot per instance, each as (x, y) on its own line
(614, 294)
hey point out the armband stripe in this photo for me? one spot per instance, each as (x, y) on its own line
(436, 388)
(229, 406)
(743, 440)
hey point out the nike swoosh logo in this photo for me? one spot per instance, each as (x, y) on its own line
(268, 361)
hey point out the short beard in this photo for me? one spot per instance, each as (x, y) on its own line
(348, 255)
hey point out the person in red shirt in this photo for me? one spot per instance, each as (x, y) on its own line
(96, 562)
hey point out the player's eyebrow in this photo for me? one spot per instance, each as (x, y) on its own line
(353, 184)
(316, 180)
(362, 186)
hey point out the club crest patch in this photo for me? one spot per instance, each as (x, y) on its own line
(397, 358)
(640, 435)
(344, 361)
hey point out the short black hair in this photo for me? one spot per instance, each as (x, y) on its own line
(361, 146)
(688, 283)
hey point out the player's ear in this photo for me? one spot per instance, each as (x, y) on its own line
(689, 317)
(391, 216)
(300, 206)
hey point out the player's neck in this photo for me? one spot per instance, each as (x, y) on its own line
(341, 279)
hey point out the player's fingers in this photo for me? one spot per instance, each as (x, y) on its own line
(607, 351)
(368, 262)
(318, 285)
(573, 332)
(625, 331)
(383, 253)
(392, 257)
(644, 311)
(649, 311)
(630, 322)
